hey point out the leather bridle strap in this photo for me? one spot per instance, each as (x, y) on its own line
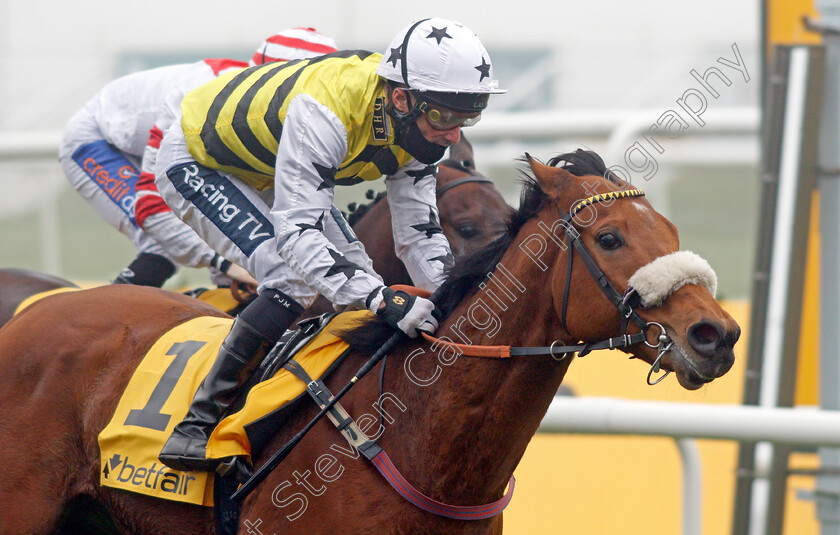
(572, 237)
(621, 301)
(465, 180)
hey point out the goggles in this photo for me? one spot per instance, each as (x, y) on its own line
(442, 119)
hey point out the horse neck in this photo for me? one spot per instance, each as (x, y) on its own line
(514, 305)
(479, 415)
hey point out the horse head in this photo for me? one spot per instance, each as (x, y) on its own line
(670, 293)
(472, 211)
(475, 213)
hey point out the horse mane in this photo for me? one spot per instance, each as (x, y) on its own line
(357, 211)
(463, 278)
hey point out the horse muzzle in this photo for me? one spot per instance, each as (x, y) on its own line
(709, 355)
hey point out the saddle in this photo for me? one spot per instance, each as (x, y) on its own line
(231, 300)
(159, 393)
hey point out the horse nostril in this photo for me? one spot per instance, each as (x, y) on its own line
(706, 337)
(733, 336)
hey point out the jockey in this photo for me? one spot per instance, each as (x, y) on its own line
(252, 167)
(107, 154)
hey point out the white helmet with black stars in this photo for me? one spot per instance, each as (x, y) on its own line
(443, 62)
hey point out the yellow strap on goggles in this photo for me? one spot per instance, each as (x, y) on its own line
(447, 120)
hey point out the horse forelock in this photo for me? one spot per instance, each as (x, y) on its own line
(585, 162)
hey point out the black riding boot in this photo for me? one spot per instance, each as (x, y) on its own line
(147, 269)
(241, 352)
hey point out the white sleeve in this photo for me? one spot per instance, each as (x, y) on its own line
(312, 147)
(169, 112)
(418, 238)
(179, 240)
(172, 234)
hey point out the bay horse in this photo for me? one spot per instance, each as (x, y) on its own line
(455, 426)
(18, 284)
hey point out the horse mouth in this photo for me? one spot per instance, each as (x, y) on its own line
(687, 373)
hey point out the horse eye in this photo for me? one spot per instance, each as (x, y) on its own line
(609, 241)
(467, 231)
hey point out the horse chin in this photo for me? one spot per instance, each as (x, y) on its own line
(688, 373)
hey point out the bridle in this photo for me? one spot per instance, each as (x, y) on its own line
(626, 303)
(473, 177)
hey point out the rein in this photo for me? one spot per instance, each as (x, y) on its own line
(557, 352)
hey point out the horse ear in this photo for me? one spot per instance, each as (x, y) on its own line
(552, 180)
(463, 153)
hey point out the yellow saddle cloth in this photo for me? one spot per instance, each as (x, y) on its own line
(221, 298)
(37, 297)
(159, 394)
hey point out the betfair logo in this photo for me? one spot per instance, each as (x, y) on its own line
(153, 477)
(397, 300)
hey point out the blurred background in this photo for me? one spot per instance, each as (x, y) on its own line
(579, 74)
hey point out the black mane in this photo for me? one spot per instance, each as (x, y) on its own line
(463, 278)
(583, 163)
(357, 211)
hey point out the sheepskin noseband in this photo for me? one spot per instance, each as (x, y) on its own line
(667, 274)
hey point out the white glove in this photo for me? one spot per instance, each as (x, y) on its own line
(405, 312)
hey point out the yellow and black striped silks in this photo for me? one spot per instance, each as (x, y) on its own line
(605, 197)
(234, 122)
